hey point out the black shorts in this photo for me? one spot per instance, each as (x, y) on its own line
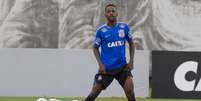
(106, 79)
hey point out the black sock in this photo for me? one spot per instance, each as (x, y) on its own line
(89, 98)
(132, 100)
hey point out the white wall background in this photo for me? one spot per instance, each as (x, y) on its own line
(59, 72)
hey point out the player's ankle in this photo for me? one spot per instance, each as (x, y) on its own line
(132, 100)
(89, 98)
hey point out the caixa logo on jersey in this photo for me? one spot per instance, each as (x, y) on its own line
(115, 44)
(187, 77)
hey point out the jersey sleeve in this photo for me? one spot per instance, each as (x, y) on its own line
(98, 40)
(129, 37)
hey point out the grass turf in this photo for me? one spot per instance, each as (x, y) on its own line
(81, 99)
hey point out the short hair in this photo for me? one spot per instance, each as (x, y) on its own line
(108, 5)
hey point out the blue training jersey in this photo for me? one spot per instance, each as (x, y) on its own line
(113, 44)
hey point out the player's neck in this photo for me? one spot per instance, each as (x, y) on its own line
(111, 23)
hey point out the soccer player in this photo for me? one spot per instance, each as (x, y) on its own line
(112, 38)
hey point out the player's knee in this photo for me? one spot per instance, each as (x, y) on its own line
(98, 87)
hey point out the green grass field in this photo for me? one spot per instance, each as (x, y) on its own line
(81, 99)
(99, 99)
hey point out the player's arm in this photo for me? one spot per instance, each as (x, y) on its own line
(96, 52)
(97, 55)
(131, 51)
(131, 48)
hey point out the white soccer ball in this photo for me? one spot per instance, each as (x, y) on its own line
(41, 99)
(53, 100)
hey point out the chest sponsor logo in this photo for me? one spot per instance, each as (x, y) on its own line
(115, 44)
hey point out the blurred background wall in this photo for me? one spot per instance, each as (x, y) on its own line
(71, 24)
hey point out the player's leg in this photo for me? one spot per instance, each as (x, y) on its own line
(129, 89)
(101, 82)
(125, 79)
(96, 90)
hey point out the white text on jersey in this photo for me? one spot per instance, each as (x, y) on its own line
(115, 44)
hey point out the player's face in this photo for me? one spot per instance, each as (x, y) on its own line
(111, 13)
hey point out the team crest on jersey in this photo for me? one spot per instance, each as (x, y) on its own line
(121, 33)
(104, 30)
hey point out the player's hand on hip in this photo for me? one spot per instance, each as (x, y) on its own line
(102, 69)
(130, 66)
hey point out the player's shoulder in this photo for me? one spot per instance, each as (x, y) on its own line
(102, 28)
(122, 25)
